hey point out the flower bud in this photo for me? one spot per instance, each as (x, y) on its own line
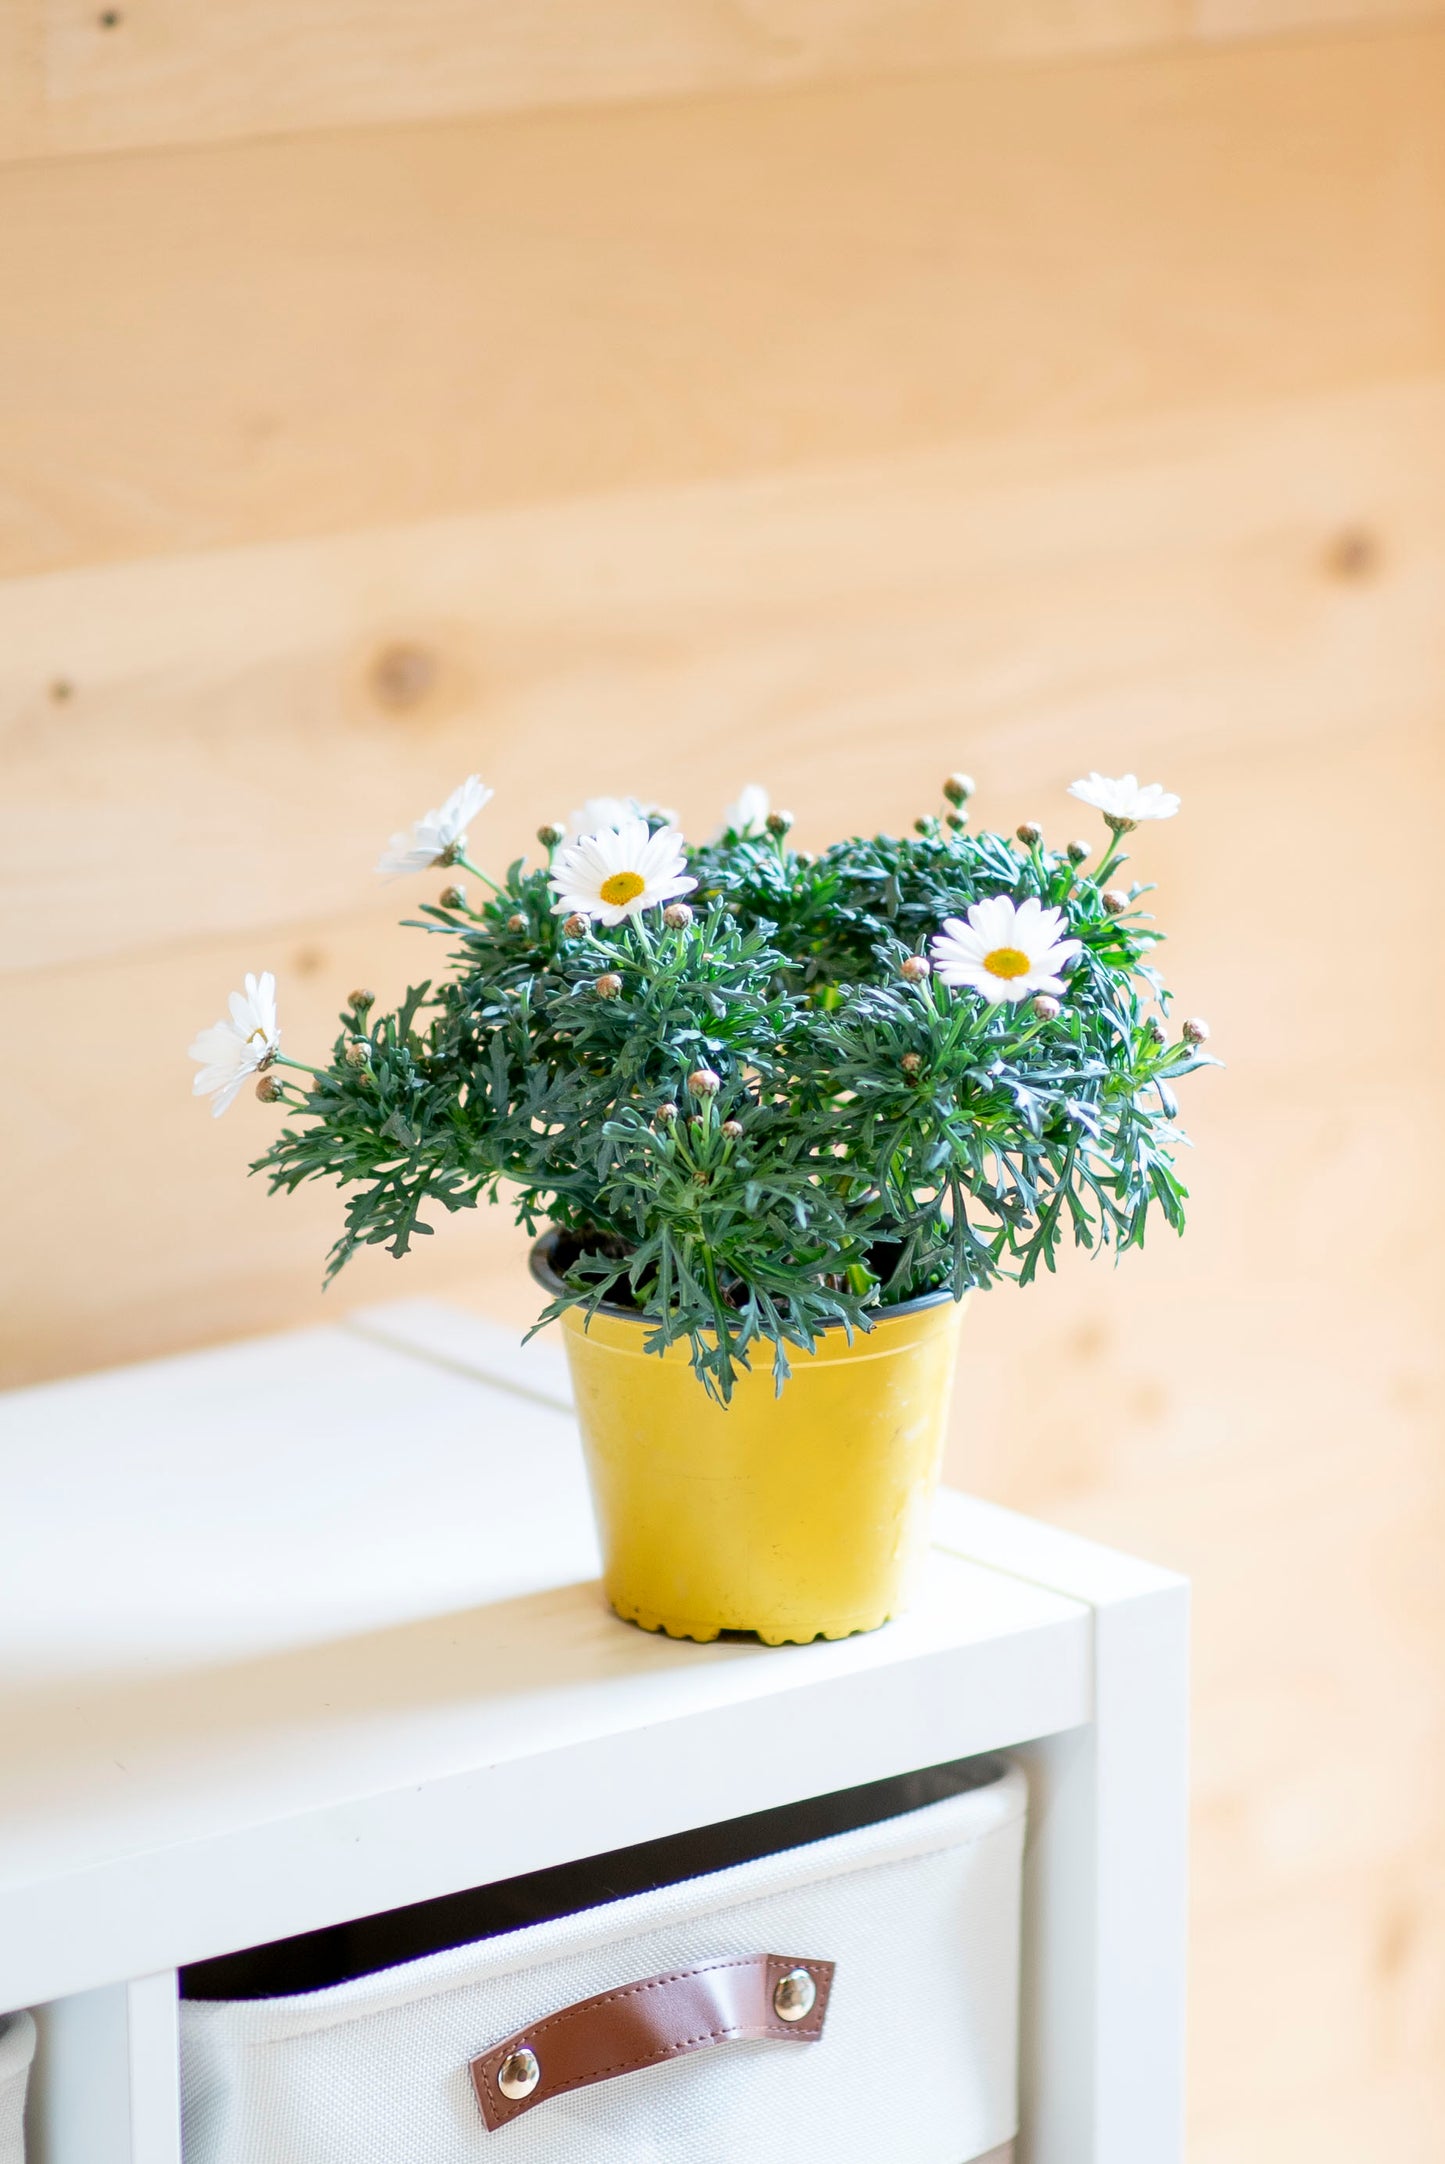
(665, 1115)
(925, 826)
(517, 922)
(608, 985)
(360, 1000)
(1194, 1031)
(575, 925)
(916, 968)
(357, 1052)
(732, 1129)
(677, 916)
(268, 1089)
(703, 1082)
(1030, 835)
(912, 1063)
(1077, 851)
(1154, 1030)
(551, 836)
(959, 788)
(1047, 1008)
(454, 897)
(952, 821)
(778, 823)
(1115, 901)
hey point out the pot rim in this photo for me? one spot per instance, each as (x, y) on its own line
(539, 1262)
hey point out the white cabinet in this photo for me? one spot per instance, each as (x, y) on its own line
(308, 1628)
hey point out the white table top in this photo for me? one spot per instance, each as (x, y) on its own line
(309, 1627)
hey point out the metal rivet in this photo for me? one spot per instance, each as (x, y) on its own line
(518, 2075)
(794, 1995)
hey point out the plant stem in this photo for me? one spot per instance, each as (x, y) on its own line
(1113, 856)
(477, 873)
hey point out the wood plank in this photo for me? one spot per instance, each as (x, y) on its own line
(240, 732)
(184, 71)
(24, 131)
(1268, 18)
(145, 1230)
(380, 325)
(194, 71)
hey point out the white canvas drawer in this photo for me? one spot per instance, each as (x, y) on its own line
(17, 2049)
(916, 2062)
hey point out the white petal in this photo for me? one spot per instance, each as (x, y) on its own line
(993, 921)
(603, 811)
(963, 974)
(211, 1044)
(957, 950)
(213, 1078)
(634, 835)
(227, 1097)
(462, 806)
(749, 814)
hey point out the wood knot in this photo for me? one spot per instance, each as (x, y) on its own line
(402, 676)
(1353, 554)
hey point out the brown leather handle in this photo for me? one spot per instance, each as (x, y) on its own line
(647, 2023)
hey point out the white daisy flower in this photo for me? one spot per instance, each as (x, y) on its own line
(750, 813)
(438, 835)
(1127, 802)
(603, 811)
(614, 811)
(619, 872)
(232, 1051)
(1007, 950)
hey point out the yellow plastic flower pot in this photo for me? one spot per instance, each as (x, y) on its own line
(798, 1517)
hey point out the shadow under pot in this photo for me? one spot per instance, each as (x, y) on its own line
(796, 1516)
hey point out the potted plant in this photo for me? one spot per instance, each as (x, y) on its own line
(771, 1117)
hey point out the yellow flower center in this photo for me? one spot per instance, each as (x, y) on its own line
(257, 1036)
(1002, 962)
(621, 888)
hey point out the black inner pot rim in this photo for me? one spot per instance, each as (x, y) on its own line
(540, 1264)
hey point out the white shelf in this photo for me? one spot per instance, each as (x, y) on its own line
(303, 1629)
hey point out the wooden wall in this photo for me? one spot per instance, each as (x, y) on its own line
(831, 392)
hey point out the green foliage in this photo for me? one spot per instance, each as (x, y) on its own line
(871, 1139)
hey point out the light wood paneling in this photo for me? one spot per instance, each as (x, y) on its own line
(195, 70)
(377, 326)
(1268, 18)
(210, 796)
(227, 740)
(95, 77)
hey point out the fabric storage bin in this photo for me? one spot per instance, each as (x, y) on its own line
(851, 1998)
(17, 2049)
